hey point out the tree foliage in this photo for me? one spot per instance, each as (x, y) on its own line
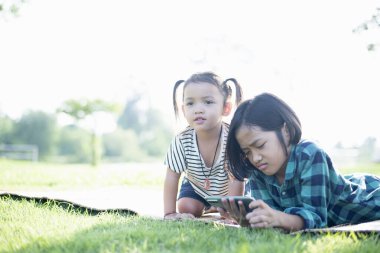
(73, 144)
(153, 131)
(37, 128)
(84, 108)
(80, 109)
(10, 6)
(6, 130)
(132, 115)
(373, 22)
(147, 140)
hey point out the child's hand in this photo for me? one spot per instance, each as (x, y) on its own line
(225, 215)
(262, 216)
(232, 211)
(179, 216)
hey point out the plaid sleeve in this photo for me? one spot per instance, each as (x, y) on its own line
(314, 191)
(175, 157)
(257, 188)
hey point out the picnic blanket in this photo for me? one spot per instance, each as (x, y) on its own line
(127, 200)
(66, 204)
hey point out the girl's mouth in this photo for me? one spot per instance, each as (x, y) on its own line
(262, 166)
(199, 120)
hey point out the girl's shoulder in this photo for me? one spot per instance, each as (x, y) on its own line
(187, 130)
(226, 126)
(308, 148)
(186, 133)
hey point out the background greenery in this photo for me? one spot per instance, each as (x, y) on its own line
(141, 134)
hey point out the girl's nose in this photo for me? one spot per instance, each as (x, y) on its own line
(199, 109)
(257, 158)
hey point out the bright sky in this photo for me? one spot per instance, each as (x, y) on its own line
(303, 51)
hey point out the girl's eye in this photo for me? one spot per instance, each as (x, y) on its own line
(261, 146)
(209, 102)
(189, 103)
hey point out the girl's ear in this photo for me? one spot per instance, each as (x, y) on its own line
(227, 108)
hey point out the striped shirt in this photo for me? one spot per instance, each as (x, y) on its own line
(317, 192)
(183, 157)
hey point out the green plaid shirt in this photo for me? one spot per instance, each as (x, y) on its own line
(317, 192)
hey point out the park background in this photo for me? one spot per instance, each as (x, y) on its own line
(91, 82)
(117, 61)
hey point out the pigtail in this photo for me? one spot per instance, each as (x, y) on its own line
(178, 83)
(227, 89)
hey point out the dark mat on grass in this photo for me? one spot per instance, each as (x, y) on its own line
(66, 204)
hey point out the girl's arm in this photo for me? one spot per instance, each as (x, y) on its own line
(170, 192)
(264, 216)
(235, 187)
(317, 181)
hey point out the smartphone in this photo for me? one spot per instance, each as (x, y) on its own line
(217, 201)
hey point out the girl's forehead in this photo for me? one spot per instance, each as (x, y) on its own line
(201, 88)
(245, 132)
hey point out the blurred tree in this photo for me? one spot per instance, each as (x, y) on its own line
(367, 149)
(157, 135)
(132, 115)
(37, 128)
(83, 109)
(152, 129)
(123, 146)
(6, 130)
(72, 144)
(10, 6)
(374, 21)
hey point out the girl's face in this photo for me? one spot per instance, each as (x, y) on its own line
(263, 149)
(203, 106)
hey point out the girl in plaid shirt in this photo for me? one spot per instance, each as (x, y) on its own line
(293, 181)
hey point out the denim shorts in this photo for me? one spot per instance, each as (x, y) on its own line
(188, 191)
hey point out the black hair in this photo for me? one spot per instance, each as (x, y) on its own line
(268, 112)
(211, 78)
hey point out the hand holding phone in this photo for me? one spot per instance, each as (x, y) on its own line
(217, 201)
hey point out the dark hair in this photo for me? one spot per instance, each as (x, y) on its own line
(268, 112)
(211, 78)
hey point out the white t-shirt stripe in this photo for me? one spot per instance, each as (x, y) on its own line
(183, 157)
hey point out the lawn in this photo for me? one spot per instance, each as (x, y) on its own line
(27, 226)
(17, 175)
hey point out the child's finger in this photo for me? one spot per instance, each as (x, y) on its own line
(223, 213)
(242, 209)
(226, 205)
(260, 225)
(234, 208)
(257, 203)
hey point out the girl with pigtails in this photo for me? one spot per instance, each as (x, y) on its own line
(199, 150)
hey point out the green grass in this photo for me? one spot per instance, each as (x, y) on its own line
(19, 175)
(371, 168)
(27, 226)
(31, 227)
